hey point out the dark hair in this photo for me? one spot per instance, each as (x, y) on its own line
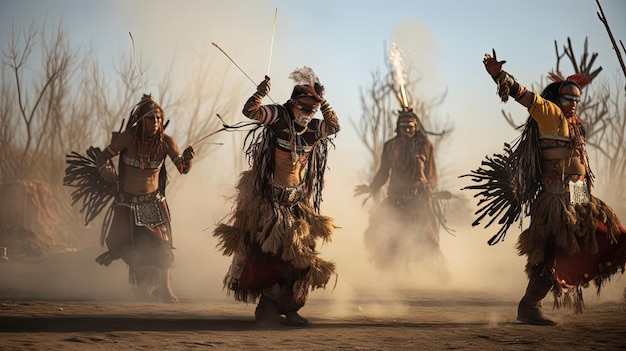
(553, 90)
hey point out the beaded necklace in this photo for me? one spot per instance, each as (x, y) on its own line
(296, 142)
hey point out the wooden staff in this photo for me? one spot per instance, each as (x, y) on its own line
(608, 29)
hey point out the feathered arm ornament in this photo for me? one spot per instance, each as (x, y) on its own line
(508, 182)
(95, 193)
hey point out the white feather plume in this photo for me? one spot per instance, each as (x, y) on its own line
(399, 74)
(304, 76)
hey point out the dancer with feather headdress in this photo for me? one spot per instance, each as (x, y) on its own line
(573, 238)
(276, 221)
(403, 230)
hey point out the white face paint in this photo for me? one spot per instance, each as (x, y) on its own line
(569, 98)
(303, 113)
(303, 119)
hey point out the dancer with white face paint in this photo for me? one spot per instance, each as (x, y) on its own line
(273, 231)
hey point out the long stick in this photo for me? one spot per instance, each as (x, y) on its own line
(608, 29)
(235, 63)
(206, 136)
(135, 61)
(212, 133)
(241, 69)
(272, 43)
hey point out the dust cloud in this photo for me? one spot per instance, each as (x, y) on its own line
(201, 200)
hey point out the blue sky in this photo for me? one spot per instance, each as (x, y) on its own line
(343, 40)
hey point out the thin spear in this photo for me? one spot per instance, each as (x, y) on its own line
(272, 43)
(240, 69)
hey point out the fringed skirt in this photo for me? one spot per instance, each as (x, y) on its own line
(141, 235)
(266, 238)
(582, 242)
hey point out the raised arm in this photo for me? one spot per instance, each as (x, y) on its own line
(253, 109)
(507, 84)
(330, 124)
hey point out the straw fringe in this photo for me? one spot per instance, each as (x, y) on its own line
(277, 230)
(320, 273)
(573, 227)
(230, 239)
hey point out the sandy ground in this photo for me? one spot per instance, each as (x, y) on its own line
(49, 304)
(429, 323)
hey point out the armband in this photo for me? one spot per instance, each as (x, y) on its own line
(508, 86)
(178, 159)
(326, 107)
(110, 151)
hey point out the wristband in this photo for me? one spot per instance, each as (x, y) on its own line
(326, 106)
(110, 150)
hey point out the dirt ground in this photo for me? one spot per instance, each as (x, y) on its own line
(41, 309)
(429, 323)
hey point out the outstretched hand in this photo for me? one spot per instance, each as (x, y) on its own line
(362, 189)
(492, 65)
(264, 87)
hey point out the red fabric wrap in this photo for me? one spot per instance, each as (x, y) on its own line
(259, 273)
(582, 267)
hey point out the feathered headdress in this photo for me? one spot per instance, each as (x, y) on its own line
(304, 76)
(307, 84)
(399, 75)
(578, 78)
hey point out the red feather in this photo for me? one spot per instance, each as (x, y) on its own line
(554, 77)
(579, 79)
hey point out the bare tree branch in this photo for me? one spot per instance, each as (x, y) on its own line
(608, 30)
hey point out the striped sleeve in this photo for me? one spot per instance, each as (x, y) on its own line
(330, 124)
(265, 114)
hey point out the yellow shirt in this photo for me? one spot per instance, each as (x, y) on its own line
(549, 117)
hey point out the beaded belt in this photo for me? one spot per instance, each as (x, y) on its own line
(147, 209)
(575, 186)
(287, 195)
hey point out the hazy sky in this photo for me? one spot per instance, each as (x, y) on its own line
(343, 41)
